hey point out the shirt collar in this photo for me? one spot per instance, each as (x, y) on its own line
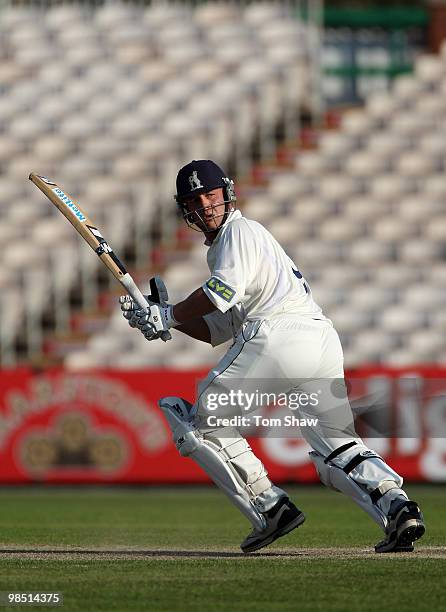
(233, 215)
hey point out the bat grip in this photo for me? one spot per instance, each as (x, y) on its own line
(135, 293)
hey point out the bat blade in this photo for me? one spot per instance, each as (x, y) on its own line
(81, 222)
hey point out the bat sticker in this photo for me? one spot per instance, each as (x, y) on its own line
(69, 204)
(95, 232)
(103, 245)
(46, 180)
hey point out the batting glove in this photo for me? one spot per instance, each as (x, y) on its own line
(157, 320)
(138, 317)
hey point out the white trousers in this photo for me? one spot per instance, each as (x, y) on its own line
(283, 354)
(277, 356)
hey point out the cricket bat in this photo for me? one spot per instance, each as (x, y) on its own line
(91, 234)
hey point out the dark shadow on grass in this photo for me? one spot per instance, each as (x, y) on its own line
(102, 552)
(132, 554)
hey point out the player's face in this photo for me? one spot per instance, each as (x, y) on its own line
(206, 210)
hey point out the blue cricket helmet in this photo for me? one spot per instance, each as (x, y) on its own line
(200, 176)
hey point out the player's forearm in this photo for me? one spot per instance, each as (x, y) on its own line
(197, 328)
(193, 307)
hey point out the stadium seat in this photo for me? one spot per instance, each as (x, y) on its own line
(427, 343)
(386, 145)
(310, 210)
(434, 186)
(434, 146)
(81, 360)
(430, 69)
(310, 163)
(212, 15)
(402, 357)
(10, 191)
(19, 167)
(78, 169)
(356, 123)
(415, 164)
(396, 275)
(421, 251)
(364, 209)
(345, 276)
(436, 273)
(424, 297)
(26, 129)
(365, 164)
(370, 252)
(18, 16)
(371, 297)
(310, 253)
(381, 106)
(389, 187)
(406, 88)
(340, 229)
(50, 148)
(437, 321)
(431, 105)
(396, 319)
(350, 321)
(77, 127)
(259, 13)
(327, 297)
(53, 108)
(435, 228)
(355, 355)
(335, 145)
(260, 208)
(416, 210)
(377, 342)
(337, 187)
(406, 123)
(79, 34)
(285, 232)
(289, 185)
(65, 15)
(393, 229)
(11, 319)
(160, 13)
(130, 167)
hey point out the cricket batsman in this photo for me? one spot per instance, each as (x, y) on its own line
(256, 296)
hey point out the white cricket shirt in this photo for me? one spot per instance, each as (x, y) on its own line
(250, 269)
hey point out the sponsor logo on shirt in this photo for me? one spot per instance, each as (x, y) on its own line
(222, 290)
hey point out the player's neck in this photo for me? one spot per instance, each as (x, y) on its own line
(211, 236)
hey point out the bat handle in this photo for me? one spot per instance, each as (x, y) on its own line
(135, 293)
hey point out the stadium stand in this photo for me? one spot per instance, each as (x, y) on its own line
(362, 215)
(101, 106)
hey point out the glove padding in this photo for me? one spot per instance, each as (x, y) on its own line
(140, 317)
(158, 319)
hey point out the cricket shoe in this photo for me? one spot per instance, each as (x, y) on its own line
(280, 520)
(406, 524)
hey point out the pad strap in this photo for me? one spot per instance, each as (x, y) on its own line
(357, 459)
(236, 449)
(259, 486)
(385, 486)
(338, 451)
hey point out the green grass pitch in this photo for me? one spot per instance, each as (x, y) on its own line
(178, 549)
